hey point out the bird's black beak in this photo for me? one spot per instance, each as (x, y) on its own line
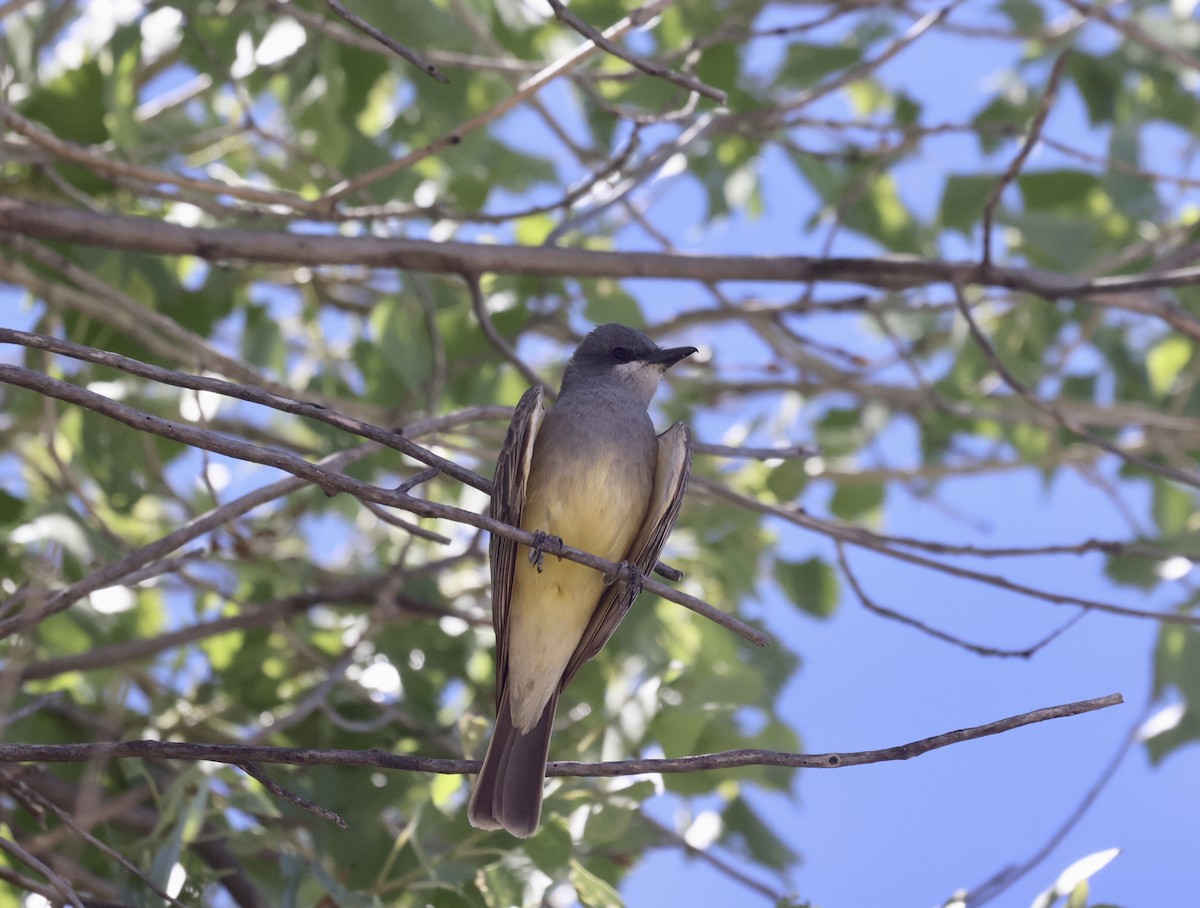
(669, 356)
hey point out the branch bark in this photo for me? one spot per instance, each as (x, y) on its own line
(140, 234)
(328, 480)
(241, 753)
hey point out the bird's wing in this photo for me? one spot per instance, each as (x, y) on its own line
(509, 491)
(672, 467)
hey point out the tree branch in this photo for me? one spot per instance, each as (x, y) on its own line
(144, 234)
(330, 481)
(1014, 168)
(864, 538)
(979, 649)
(648, 67)
(297, 756)
(390, 43)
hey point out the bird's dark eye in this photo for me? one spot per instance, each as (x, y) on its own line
(620, 354)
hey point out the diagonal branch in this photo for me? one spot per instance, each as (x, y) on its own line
(648, 67)
(1014, 168)
(979, 649)
(390, 43)
(989, 351)
(527, 89)
(396, 439)
(866, 539)
(328, 480)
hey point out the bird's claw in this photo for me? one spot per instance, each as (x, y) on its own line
(627, 575)
(542, 541)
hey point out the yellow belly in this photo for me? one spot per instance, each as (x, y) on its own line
(597, 506)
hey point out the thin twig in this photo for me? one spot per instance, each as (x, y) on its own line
(406, 525)
(328, 480)
(1001, 881)
(979, 649)
(396, 439)
(361, 589)
(256, 773)
(1137, 35)
(1070, 425)
(115, 572)
(1014, 168)
(495, 338)
(390, 43)
(66, 817)
(648, 67)
(793, 452)
(864, 538)
(720, 865)
(63, 887)
(531, 86)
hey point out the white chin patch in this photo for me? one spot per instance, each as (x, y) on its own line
(642, 377)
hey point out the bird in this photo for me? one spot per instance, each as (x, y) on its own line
(591, 472)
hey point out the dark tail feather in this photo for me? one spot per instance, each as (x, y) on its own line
(508, 791)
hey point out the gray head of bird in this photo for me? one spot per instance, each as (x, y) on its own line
(617, 356)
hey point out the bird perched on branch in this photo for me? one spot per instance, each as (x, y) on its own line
(590, 471)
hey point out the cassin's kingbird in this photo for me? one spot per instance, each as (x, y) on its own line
(591, 471)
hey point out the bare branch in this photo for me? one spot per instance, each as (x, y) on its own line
(650, 68)
(328, 480)
(891, 614)
(277, 401)
(794, 452)
(63, 887)
(118, 570)
(503, 347)
(241, 753)
(44, 803)
(1070, 425)
(525, 91)
(130, 651)
(221, 244)
(1001, 881)
(1137, 35)
(1014, 168)
(866, 539)
(256, 773)
(390, 43)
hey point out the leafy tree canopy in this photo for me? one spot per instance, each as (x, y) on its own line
(901, 285)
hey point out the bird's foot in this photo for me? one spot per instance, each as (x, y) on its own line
(541, 542)
(627, 575)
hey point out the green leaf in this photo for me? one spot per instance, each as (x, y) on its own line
(807, 64)
(1172, 507)
(811, 584)
(551, 848)
(1166, 359)
(1133, 570)
(72, 105)
(1058, 190)
(745, 833)
(593, 891)
(12, 508)
(857, 500)
(402, 340)
(1100, 82)
(963, 198)
(1024, 14)
(608, 302)
(1177, 666)
(787, 480)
